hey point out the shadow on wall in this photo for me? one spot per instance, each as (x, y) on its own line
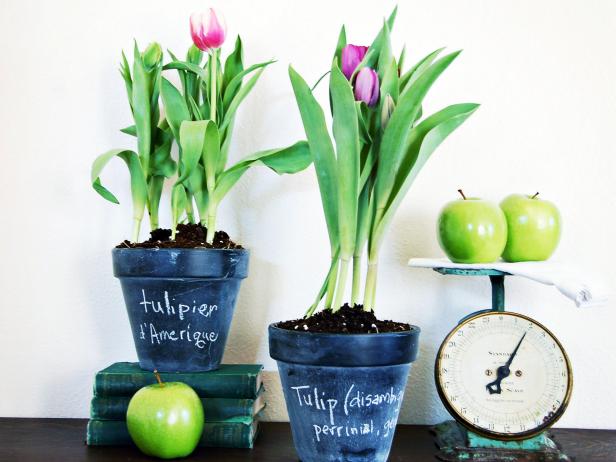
(251, 314)
(276, 409)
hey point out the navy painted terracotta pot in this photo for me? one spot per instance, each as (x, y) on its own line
(180, 303)
(343, 391)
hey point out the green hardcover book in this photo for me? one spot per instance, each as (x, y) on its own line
(237, 432)
(215, 409)
(230, 381)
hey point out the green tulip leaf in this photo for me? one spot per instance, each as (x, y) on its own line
(211, 155)
(176, 110)
(291, 159)
(128, 80)
(186, 66)
(141, 108)
(413, 73)
(374, 50)
(162, 164)
(234, 64)
(178, 206)
(396, 134)
(423, 141)
(346, 135)
(192, 138)
(385, 52)
(138, 185)
(234, 85)
(342, 41)
(239, 96)
(130, 130)
(322, 151)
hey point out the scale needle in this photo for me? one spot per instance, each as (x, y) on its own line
(503, 371)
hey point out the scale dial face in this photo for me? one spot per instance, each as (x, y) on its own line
(503, 375)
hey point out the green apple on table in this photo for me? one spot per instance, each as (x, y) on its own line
(533, 228)
(472, 230)
(165, 419)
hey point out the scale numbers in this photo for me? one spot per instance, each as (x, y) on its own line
(503, 375)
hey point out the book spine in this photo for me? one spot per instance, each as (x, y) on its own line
(214, 409)
(215, 434)
(205, 385)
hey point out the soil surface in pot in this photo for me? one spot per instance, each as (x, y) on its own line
(347, 320)
(189, 236)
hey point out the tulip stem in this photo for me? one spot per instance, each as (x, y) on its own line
(211, 222)
(331, 284)
(136, 229)
(370, 290)
(157, 375)
(342, 279)
(213, 75)
(319, 81)
(356, 280)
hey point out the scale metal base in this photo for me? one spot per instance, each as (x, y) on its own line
(456, 443)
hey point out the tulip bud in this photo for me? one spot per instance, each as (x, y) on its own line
(208, 30)
(152, 56)
(387, 110)
(195, 55)
(367, 86)
(352, 55)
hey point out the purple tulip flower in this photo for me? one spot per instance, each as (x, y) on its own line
(367, 86)
(351, 57)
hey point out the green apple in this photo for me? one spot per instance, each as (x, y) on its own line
(472, 230)
(534, 228)
(165, 419)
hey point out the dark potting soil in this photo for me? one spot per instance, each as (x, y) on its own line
(347, 320)
(188, 236)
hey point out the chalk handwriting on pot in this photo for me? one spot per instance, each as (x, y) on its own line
(355, 400)
(166, 308)
(155, 334)
(148, 331)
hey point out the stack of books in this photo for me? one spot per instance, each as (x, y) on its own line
(232, 398)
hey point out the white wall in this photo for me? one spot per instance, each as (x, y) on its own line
(544, 72)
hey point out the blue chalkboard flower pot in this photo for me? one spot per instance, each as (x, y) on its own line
(180, 303)
(343, 391)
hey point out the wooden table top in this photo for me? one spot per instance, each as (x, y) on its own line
(50, 440)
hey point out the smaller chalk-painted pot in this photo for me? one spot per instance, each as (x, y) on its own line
(343, 391)
(180, 303)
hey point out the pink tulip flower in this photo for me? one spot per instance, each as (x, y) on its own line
(208, 30)
(367, 86)
(351, 57)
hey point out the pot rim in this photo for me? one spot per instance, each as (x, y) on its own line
(413, 330)
(176, 249)
(181, 263)
(343, 350)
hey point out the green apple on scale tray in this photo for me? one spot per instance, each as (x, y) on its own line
(522, 228)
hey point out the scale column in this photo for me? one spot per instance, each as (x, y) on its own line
(498, 292)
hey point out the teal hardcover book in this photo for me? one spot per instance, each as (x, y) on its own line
(215, 409)
(236, 432)
(237, 381)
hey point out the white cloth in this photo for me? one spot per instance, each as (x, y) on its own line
(583, 290)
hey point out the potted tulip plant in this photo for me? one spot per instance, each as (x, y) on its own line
(343, 370)
(181, 285)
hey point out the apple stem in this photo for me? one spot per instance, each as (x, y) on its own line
(462, 194)
(536, 194)
(157, 375)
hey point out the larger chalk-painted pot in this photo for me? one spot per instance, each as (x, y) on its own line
(180, 303)
(343, 391)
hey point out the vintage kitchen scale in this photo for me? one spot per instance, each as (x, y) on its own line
(505, 379)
